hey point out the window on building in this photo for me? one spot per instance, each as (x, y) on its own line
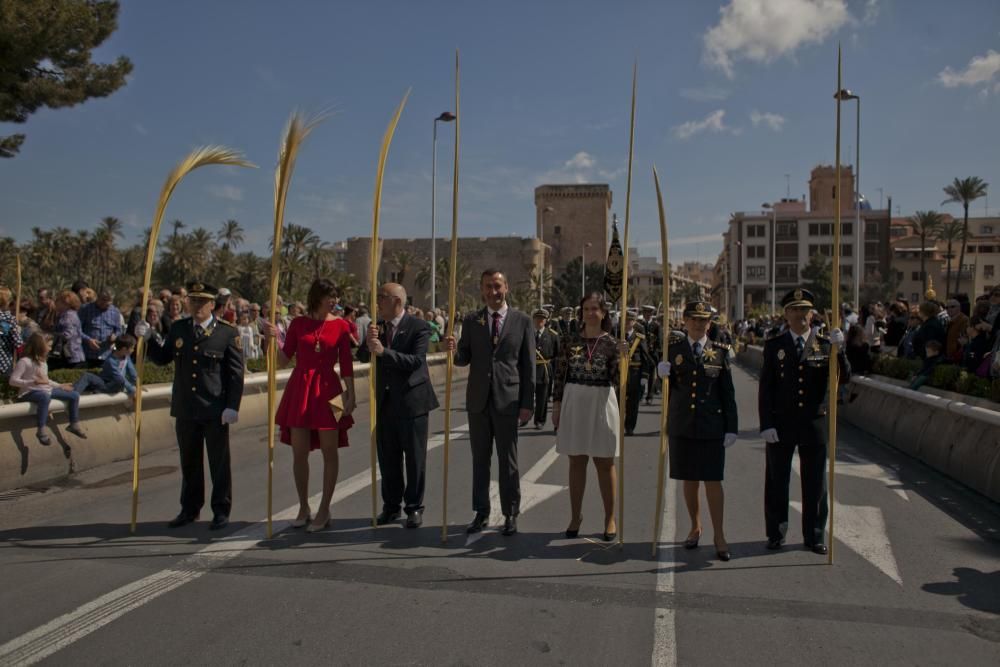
(557, 230)
(971, 250)
(787, 272)
(824, 250)
(846, 250)
(787, 230)
(755, 231)
(847, 228)
(986, 229)
(755, 252)
(755, 271)
(871, 230)
(786, 251)
(987, 271)
(899, 276)
(393, 277)
(847, 270)
(915, 275)
(871, 250)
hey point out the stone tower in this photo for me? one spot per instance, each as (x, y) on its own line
(823, 193)
(569, 216)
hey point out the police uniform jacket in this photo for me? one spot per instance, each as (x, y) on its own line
(208, 369)
(641, 359)
(793, 396)
(546, 352)
(702, 394)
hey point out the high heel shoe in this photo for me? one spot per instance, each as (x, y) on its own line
(573, 532)
(692, 542)
(302, 523)
(723, 554)
(316, 527)
(609, 536)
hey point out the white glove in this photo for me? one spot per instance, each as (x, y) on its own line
(837, 337)
(770, 435)
(663, 369)
(729, 440)
(230, 416)
(141, 329)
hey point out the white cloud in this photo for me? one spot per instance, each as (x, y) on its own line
(764, 30)
(772, 120)
(704, 94)
(979, 72)
(230, 192)
(713, 122)
(872, 11)
(140, 128)
(582, 160)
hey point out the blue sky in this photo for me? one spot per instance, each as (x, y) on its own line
(733, 95)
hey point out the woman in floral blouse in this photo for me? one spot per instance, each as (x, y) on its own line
(585, 409)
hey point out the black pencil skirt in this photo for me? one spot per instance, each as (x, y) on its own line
(697, 460)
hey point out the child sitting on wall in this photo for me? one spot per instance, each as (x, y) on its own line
(117, 371)
(31, 377)
(933, 359)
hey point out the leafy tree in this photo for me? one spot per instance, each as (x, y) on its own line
(45, 52)
(566, 287)
(817, 277)
(964, 191)
(925, 224)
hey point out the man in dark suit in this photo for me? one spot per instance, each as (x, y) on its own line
(498, 346)
(404, 396)
(208, 388)
(792, 402)
(546, 351)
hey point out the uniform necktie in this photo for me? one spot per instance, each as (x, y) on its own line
(800, 345)
(496, 328)
(199, 330)
(389, 330)
(697, 350)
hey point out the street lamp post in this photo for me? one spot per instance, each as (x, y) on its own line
(445, 117)
(541, 251)
(774, 246)
(583, 270)
(859, 237)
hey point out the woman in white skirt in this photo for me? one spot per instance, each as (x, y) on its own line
(585, 409)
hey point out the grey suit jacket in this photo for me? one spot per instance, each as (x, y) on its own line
(504, 375)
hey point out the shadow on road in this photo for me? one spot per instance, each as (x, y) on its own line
(974, 589)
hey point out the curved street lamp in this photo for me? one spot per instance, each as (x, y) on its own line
(445, 117)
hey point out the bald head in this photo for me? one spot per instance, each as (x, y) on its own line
(391, 300)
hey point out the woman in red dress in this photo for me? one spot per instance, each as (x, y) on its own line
(317, 341)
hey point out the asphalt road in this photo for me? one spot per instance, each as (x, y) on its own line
(916, 578)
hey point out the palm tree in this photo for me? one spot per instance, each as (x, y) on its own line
(949, 232)
(177, 225)
(965, 191)
(403, 260)
(231, 235)
(109, 229)
(319, 258)
(925, 224)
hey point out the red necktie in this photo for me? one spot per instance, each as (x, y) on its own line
(389, 330)
(496, 328)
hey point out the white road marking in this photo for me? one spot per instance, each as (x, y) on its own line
(532, 493)
(875, 472)
(862, 529)
(57, 634)
(664, 619)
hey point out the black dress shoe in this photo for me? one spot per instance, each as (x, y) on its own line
(414, 519)
(820, 549)
(478, 523)
(723, 554)
(219, 521)
(509, 525)
(387, 516)
(775, 543)
(182, 519)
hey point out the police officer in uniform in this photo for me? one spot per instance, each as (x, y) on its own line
(546, 352)
(703, 419)
(654, 343)
(639, 362)
(792, 402)
(208, 388)
(566, 323)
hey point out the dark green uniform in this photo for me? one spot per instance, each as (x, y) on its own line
(546, 352)
(640, 362)
(702, 408)
(208, 378)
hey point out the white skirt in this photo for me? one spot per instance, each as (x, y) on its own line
(588, 421)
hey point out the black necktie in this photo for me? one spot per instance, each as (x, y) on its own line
(496, 328)
(697, 350)
(199, 330)
(799, 345)
(389, 330)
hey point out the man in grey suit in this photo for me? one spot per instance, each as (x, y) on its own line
(498, 346)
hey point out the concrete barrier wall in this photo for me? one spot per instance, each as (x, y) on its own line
(110, 423)
(956, 435)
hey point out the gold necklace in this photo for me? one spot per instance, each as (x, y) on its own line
(319, 336)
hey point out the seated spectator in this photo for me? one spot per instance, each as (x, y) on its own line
(117, 373)
(101, 323)
(31, 377)
(930, 328)
(858, 351)
(10, 333)
(66, 348)
(958, 323)
(932, 359)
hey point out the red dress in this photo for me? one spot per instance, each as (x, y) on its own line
(305, 402)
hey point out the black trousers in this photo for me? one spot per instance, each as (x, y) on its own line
(193, 437)
(484, 428)
(402, 443)
(815, 507)
(632, 396)
(542, 397)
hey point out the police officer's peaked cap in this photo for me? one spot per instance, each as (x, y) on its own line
(699, 310)
(541, 312)
(200, 290)
(798, 298)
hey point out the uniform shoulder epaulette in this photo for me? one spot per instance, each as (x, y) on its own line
(721, 346)
(640, 336)
(551, 330)
(228, 324)
(677, 336)
(774, 335)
